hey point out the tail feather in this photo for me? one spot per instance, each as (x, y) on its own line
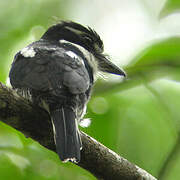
(67, 138)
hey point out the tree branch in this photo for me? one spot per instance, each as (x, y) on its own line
(34, 122)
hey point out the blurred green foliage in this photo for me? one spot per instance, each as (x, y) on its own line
(157, 61)
(137, 118)
(170, 6)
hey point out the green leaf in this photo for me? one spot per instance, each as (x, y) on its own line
(136, 124)
(8, 170)
(171, 6)
(17, 21)
(161, 59)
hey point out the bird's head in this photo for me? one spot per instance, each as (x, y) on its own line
(85, 37)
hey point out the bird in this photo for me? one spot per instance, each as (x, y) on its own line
(57, 72)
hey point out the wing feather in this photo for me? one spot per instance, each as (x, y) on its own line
(58, 71)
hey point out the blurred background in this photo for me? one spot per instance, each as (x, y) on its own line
(138, 117)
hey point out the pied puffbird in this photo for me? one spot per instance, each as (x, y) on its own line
(57, 72)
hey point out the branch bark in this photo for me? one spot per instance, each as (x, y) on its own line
(34, 122)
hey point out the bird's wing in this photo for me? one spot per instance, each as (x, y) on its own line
(45, 68)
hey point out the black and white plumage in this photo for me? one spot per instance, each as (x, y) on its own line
(58, 72)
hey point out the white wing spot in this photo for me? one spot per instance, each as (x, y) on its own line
(89, 57)
(71, 54)
(28, 52)
(63, 41)
(75, 56)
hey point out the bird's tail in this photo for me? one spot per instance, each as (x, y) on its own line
(66, 134)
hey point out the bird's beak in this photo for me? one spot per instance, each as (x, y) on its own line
(107, 66)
